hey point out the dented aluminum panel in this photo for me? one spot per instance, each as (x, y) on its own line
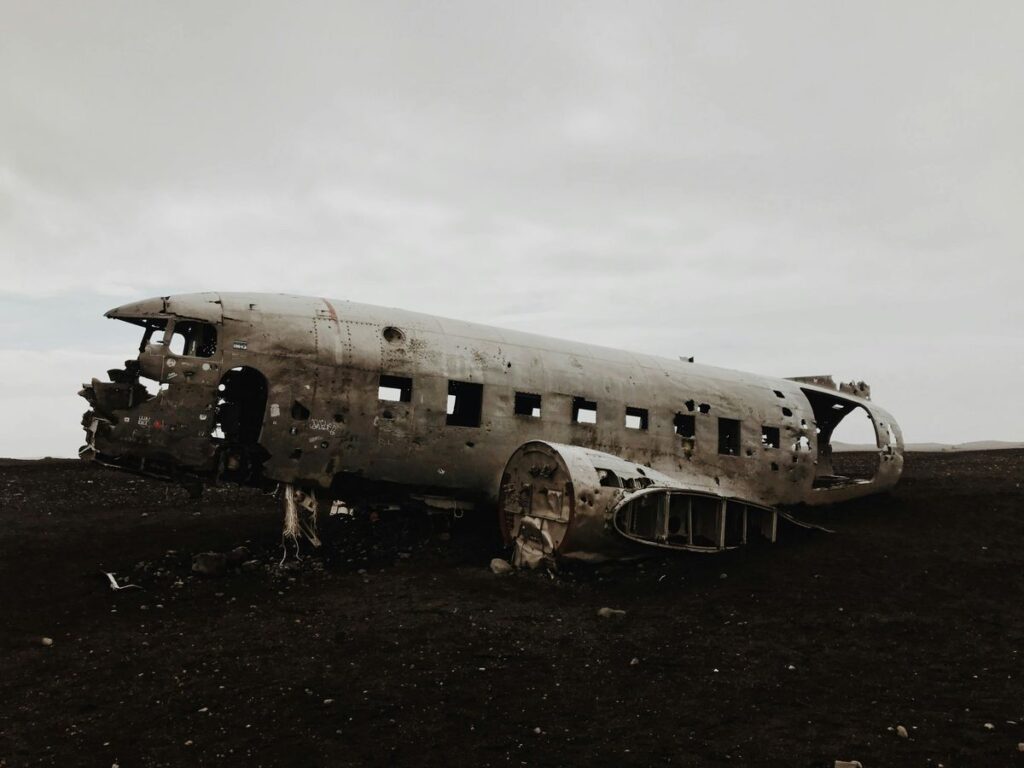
(355, 402)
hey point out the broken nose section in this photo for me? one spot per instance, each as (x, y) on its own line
(129, 427)
(122, 392)
(106, 399)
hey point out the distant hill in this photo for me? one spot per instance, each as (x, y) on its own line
(977, 445)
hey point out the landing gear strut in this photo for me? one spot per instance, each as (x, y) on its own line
(300, 520)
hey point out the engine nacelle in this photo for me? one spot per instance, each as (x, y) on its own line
(565, 501)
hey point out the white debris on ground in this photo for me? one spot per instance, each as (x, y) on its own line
(501, 567)
(901, 731)
(611, 613)
(115, 586)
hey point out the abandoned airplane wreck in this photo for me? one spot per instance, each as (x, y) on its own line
(579, 451)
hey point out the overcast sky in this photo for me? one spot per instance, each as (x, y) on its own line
(788, 188)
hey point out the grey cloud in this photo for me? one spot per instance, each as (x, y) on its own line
(786, 187)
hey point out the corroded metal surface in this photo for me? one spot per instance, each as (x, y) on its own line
(357, 402)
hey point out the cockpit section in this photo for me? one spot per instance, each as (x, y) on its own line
(169, 345)
(184, 338)
(157, 413)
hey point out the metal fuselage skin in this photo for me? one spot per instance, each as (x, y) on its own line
(323, 424)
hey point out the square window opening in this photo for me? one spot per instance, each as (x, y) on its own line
(636, 418)
(729, 437)
(769, 437)
(465, 403)
(584, 411)
(527, 404)
(155, 335)
(394, 389)
(192, 338)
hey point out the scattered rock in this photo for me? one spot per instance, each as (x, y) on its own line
(237, 556)
(1020, 746)
(902, 732)
(501, 567)
(634, 661)
(328, 701)
(251, 565)
(848, 764)
(990, 726)
(211, 564)
(47, 641)
(611, 613)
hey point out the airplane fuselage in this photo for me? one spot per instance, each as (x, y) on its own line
(352, 397)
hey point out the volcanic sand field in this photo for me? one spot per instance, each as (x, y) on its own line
(398, 646)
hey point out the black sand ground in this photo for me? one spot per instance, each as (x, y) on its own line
(398, 651)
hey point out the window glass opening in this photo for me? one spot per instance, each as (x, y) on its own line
(395, 389)
(729, 437)
(636, 418)
(465, 403)
(527, 404)
(584, 411)
(154, 335)
(192, 338)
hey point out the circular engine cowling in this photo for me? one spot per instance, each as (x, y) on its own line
(557, 500)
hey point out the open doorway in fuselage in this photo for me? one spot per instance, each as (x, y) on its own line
(238, 425)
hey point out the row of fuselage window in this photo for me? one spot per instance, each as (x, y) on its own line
(465, 407)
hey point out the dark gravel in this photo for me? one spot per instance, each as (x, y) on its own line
(398, 646)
